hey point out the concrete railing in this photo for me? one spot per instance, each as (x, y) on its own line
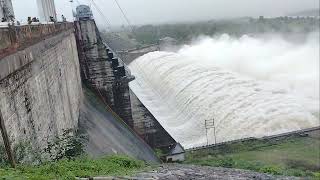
(13, 38)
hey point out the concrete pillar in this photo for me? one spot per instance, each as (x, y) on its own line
(6, 6)
(46, 9)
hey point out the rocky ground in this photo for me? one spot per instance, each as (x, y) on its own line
(177, 172)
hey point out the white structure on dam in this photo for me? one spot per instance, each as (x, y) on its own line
(46, 10)
(6, 9)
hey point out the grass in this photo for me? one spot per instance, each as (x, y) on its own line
(79, 167)
(294, 156)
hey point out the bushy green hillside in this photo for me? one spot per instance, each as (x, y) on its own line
(295, 156)
(185, 32)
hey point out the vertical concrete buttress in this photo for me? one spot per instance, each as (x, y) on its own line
(102, 71)
(109, 77)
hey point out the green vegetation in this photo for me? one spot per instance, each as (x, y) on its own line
(293, 156)
(24, 153)
(78, 167)
(159, 153)
(67, 146)
(186, 32)
(68, 161)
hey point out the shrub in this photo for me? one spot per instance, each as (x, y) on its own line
(300, 164)
(69, 145)
(227, 162)
(76, 167)
(316, 175)
(3, 156)
(126, 162)
(271, 170)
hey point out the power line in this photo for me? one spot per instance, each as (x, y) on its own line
(100, 12)
(124, 15)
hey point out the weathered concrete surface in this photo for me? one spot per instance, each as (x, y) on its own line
(148, 127)
(40, 90)
(107, 135)
(5, 38)
(101, 71)
(109, 77)
(15, 38)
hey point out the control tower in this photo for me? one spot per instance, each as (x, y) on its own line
(6, 10)
(46, 9)
(84, 13)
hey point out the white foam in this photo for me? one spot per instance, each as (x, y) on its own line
(251, 87)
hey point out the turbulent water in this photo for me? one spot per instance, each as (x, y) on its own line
(251, 87)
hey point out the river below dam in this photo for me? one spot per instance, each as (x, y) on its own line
(249, 87)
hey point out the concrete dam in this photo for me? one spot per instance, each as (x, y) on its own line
(61, 76)
(40, 83)
(235, 84)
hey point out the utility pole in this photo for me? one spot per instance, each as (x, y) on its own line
(6, 142)
(209, 124)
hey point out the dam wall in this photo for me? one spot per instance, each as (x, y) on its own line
(44, 74)
(109, 78)
(15, 38)
(102, 71)
(144, 123)
(148, 127)
(40, 84)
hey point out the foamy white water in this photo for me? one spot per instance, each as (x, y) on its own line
(251, 87)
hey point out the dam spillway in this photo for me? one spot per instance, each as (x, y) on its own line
(250, 87)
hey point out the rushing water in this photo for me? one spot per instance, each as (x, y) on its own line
(251, 88)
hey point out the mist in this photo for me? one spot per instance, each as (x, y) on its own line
(268, 58)
(250, 86)
(169, 11)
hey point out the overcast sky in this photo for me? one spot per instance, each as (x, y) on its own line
(161, 11)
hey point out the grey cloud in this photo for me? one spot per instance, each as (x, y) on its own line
(159, 11)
